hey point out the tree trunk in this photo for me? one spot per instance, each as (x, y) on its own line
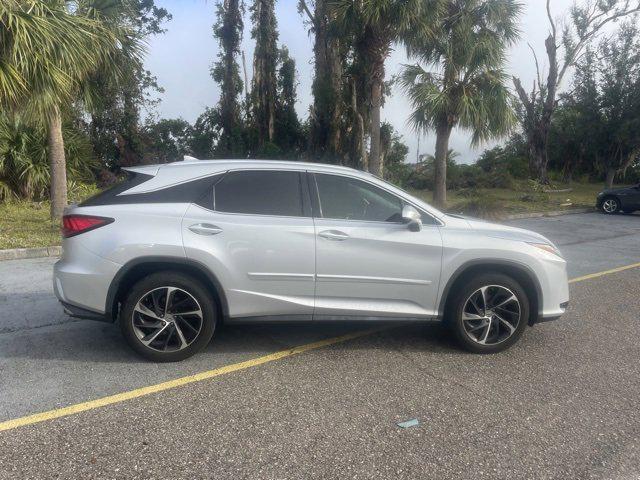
(611, 175)
(535, 127)
(58, 166)
(375, 161)
(361, 144)
(443, 132)
(538, 158)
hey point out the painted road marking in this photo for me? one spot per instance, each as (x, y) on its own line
(198, 377)
(605, 272)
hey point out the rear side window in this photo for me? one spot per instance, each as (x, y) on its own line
(260, 193)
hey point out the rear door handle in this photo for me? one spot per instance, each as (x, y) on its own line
(205, 229)
(333, 235)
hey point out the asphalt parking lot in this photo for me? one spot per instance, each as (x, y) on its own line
(563, 403)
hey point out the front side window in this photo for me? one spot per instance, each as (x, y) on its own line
(259, 193)
(351, 199)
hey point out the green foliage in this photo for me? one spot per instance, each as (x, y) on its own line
(288, 132)
(226, 72)
(24, 166)
(510, 158)
(265, 58)
(394, 152)
(596, 128)
(468, 87)
(476, 204)
(167, 140)
(47, 53)
(463, 177)
(535, 192)
(116, 100)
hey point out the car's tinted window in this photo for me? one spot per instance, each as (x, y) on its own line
(260, 193)
(351, 199)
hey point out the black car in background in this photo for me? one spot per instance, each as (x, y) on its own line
(617, 200)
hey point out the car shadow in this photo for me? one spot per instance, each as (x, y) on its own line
(86, 341)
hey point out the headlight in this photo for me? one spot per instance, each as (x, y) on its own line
(547, 248)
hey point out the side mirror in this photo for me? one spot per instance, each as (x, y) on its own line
(412, 218)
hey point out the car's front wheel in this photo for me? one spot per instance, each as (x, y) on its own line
(488, 313)
(168, 316)
(610, 205)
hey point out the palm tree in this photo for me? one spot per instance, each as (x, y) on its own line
(377, 24)
(467, 88)
(47, 51)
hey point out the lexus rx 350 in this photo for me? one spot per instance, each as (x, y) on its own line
(178, 248)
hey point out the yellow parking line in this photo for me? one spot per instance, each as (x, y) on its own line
(178, 382)
(198, 377)
(605, 272)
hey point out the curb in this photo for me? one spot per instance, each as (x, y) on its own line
(23, 253)
(557, 213)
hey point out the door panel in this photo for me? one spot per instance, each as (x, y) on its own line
(380, 270)
(265, 264)
(368, 263)
(254, 231)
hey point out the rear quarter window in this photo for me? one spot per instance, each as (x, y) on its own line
(107, 197)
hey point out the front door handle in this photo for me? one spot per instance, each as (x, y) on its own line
(333, 235)
(205, 229)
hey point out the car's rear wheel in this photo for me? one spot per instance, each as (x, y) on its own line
(168, 317)
(488, 313)
(610, 205)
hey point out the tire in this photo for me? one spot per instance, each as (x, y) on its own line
(184, 331)
(610, 205)
(499, 336)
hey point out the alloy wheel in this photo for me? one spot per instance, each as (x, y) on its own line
(610, 205)
(167, 319)
(491, 315)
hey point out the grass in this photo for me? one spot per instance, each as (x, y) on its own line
(27, 224)
(499, 202)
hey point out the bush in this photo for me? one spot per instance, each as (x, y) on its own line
(482, 206)
(460, 176)
(24, 163)
(535, 192)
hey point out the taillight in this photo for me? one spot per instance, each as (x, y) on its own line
(76, 224)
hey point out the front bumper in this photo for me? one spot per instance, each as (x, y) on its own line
(553, 316)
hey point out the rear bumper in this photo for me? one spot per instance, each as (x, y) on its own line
(81, 280)
(79, 312)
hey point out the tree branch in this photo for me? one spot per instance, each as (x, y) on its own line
(305, 7)
(551, 21)
(535, 58)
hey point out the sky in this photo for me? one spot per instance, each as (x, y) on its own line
(182, 57)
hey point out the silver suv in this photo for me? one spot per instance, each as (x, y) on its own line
(176, 249)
